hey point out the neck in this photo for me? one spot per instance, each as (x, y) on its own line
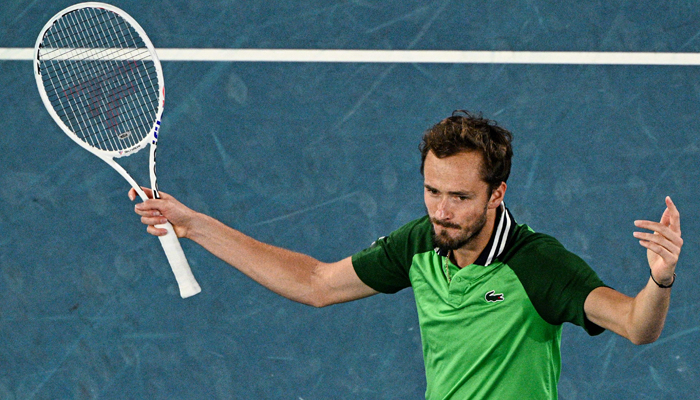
(470, 252)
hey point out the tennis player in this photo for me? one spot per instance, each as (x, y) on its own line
(491, 294)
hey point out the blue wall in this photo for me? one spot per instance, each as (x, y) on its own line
(323, 159)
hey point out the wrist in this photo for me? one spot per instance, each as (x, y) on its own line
(199, 225)
(665, 283)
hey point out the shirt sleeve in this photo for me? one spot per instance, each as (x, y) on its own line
(384, 266)
(557, 281)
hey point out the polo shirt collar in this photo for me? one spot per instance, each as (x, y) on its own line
(503, 227)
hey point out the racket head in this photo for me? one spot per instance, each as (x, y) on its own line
(100, 79)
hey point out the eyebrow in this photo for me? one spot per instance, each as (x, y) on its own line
(467, 193)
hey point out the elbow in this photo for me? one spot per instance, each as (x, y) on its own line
(311, 297)
(321, 294)
(644, 333)
(330, 284)
(645, 339)
(319, 291)
(309, 300)
(317, 302)
(639, 342)
(316, 296)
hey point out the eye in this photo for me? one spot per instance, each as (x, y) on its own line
(463, 197)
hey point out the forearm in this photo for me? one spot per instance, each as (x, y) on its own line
(647, 314)
(639, 319)
(287, 273)
(293, 275)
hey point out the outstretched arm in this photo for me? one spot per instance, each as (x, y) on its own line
(641, 319)
(293, 275)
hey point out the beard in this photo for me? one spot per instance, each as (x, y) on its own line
(464, 236)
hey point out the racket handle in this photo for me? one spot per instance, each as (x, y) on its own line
(178, 262)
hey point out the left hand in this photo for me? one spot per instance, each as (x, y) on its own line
(664, 245)
(159, 211)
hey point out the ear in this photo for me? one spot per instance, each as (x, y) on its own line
(497, 196)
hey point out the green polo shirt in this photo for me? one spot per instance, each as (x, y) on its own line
(490, 330)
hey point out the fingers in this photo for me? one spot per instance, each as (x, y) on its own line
(656, 243)
(151, 214)
(149, 211)
(155, 212)
(151, 217)
(156, 231)
(671, 217)
(674, 216)
(660, 229)
(670, 258)
(149, 193)
(669, 225)
(665, 242)
(151, 204)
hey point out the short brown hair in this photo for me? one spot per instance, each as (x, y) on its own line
(464, 131)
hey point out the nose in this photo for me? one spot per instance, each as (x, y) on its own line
(442, 212)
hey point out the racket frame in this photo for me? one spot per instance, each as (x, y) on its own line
(187, 284)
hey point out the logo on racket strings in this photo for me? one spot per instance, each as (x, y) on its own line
(124, 135)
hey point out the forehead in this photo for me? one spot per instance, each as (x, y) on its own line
(458, 172)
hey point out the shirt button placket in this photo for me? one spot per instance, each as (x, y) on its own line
(457, 289)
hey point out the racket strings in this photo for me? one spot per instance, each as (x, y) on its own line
(109, 77)
(68, 39)
(75, 117)
(94, 88)
(100, 78)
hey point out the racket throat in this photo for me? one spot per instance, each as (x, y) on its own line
(152, 163)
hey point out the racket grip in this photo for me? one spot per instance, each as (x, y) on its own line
(178, 262)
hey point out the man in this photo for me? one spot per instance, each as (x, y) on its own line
(491, 295)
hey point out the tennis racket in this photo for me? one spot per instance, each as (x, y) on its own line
(100, 79)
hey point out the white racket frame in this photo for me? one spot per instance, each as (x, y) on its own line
(171, 245)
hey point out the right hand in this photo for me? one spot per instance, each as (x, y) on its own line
(664, 245)
(159, 211)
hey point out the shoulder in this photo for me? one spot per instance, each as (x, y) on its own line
(527, 248)
(556, 280)
(413, 237)
(384, 265)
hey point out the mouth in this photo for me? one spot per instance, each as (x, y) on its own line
(445, 224)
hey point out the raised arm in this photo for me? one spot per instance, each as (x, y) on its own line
(293, 275)
(641, 319)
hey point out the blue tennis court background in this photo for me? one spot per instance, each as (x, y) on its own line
(323, 159)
